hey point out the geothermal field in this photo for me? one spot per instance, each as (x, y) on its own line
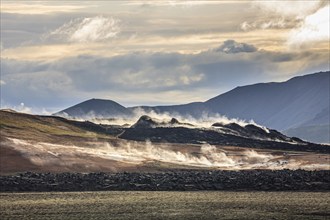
(235, 166)
(54, 144)
(140, 167)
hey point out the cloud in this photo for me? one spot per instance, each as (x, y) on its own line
(314, 28)
(150, 78)
(308, 20)
(231, 46)
(137, 71)
(38, 9)
(19, 31)
(293, 8)
(276, 23)
(90, 29)
(280, 14)
(188, 4)
(176, 3)
(33, 83)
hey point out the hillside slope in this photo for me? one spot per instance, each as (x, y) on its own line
(48, 128)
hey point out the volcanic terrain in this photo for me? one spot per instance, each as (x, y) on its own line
(55, 144)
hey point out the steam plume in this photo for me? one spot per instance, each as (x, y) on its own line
(142, 153)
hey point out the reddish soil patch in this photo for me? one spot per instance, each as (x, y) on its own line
(12, 161)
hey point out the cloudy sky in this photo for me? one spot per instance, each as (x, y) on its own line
(57, 53)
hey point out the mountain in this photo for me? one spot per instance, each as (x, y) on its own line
(277, 105)
(95, 108)
(195, 109)
(313, 133)
(298, 103)
(316, 130)
(280, 105)
(299, 106)
(321, 118)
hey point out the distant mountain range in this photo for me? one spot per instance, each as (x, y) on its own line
(299, 106)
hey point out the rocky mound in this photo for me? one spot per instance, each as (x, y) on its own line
(176, 123)
(147, 122)
(254, 132)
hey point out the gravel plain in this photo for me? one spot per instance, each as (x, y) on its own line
(165, 205)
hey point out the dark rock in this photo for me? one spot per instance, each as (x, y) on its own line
(174, 121)
(144, 122)
(266, 180)
(240, 137)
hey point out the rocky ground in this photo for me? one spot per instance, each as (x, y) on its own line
(265, 180)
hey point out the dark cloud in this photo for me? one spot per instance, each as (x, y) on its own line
(231, 46)
(140, 73)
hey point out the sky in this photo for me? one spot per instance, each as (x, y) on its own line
(55, 54)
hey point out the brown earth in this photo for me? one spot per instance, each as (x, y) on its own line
(12, 161)
(72, 144)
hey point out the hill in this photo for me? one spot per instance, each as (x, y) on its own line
(95, 108)
(48, 128)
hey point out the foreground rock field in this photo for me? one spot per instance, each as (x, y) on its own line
(264, 180)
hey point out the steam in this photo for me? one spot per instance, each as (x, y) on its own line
(204, 121)
(142, 153)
